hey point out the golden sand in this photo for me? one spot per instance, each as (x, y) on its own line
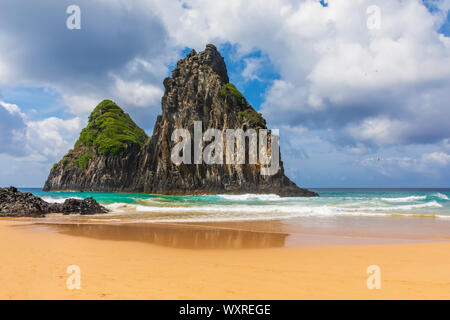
(33, 264)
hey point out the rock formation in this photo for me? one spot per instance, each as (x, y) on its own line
(114, 154)
(14, 203)
(18, 204)
(78, 206)
(105, 157)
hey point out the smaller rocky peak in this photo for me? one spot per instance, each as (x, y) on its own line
(109, 131)
(104, 107)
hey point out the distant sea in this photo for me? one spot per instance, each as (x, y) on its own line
(132, 207)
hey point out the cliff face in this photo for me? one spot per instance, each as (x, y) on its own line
(199, 90)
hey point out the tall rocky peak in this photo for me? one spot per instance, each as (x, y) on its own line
(199, 89)
(125, 160)
(210, 57)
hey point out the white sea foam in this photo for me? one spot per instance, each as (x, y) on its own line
(224, 217)
(249, 196)
(117, 207)
(58, 200)
(230, 212)
(236, 212)
(441, 196)
(431, 204)
(244, 210)
(405, 199)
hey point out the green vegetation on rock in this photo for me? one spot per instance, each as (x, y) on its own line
(252, 118)
(248, 116)
(230, 90)
(63, 161)
(110, 130)
(83, 161)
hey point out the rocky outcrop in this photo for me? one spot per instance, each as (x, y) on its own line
(14, 203)
(78, 206)
(199, 90)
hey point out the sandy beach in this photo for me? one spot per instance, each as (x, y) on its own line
(34, 261)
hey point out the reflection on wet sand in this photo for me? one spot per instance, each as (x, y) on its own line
(179, 236)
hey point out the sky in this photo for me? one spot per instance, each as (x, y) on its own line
(358, 88)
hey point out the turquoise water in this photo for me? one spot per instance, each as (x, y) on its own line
(433, 203)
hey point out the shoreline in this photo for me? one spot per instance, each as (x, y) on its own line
(277, 233)
(34, 263)
(301, 231)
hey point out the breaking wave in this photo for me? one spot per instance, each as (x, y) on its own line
(441, 196)
(250, 197)
(405, 199)
(198, 213)
(59, 200)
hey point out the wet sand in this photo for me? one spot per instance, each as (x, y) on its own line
(176, 262)
(212, 235)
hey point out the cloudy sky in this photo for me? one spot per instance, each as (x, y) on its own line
(359, 89)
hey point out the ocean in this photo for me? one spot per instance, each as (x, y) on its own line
(133, 207)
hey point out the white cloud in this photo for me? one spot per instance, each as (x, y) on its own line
(11, 108)
(154, 66)
(252, 68)
(137, 93)
(295, 138)
(82, 104)
(284, 95)
(428, 163)
(51, 137)
(39, 140)
(436, 158)
(446, 144)
(381, 131)
(358, 149)
(11, 125)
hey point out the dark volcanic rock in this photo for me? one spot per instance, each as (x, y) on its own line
(77, 206)
(14, 203)
(199, 90)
